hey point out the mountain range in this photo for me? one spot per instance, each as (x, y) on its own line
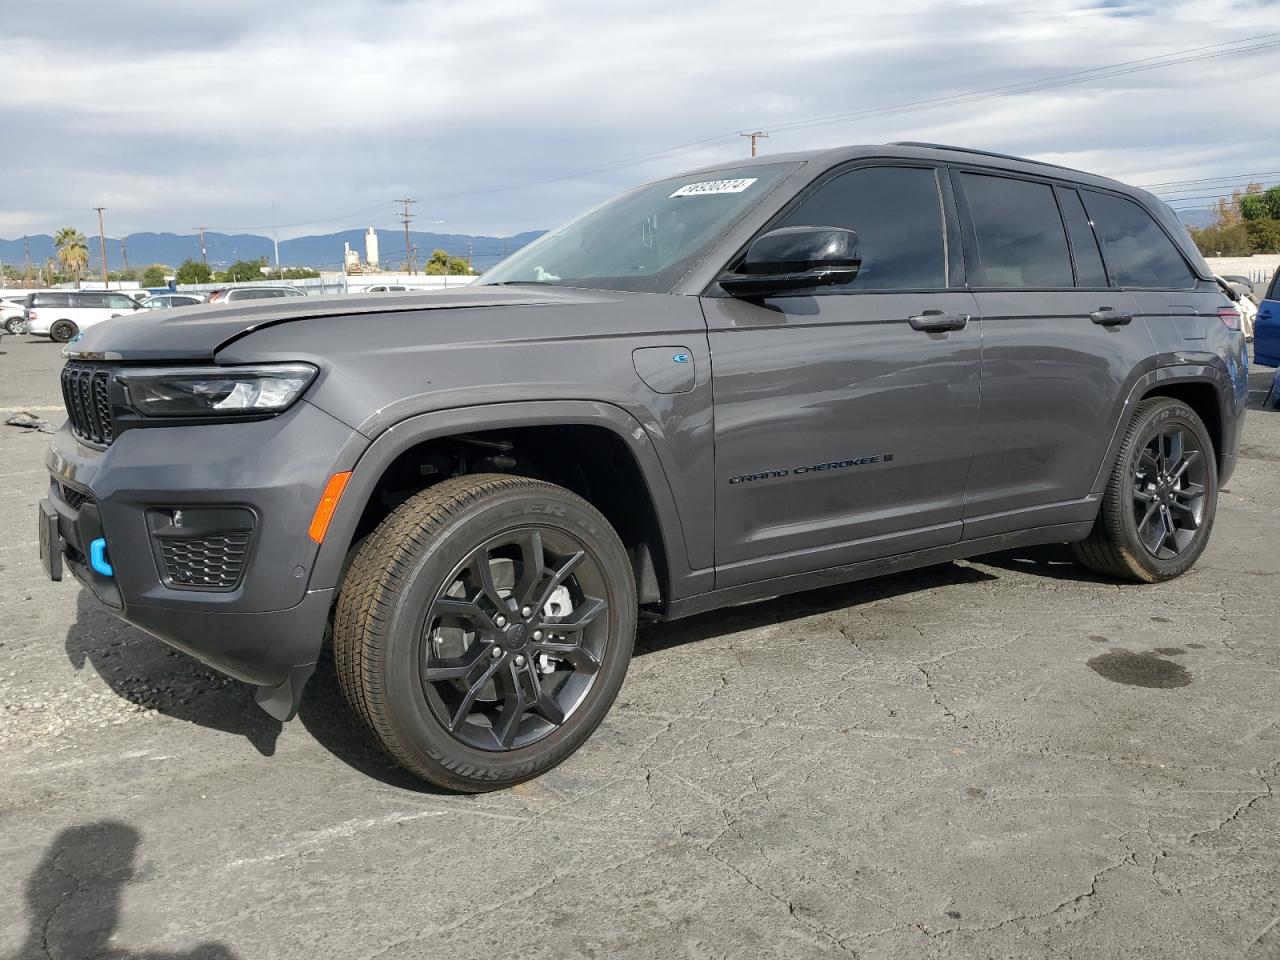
(322, 252)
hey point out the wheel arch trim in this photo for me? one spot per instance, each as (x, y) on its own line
(408, 433)
(1166, 376)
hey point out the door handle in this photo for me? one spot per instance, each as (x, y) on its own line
(1110, 317)
(937, 321)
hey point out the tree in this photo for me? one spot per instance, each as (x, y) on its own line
(295, 273)
(441, 264)
(1223, 241)
(192, 271)
(154, 275)
(73, 252)
(242, 271)
(1264, 235)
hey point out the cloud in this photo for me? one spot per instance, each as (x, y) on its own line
(328, 111)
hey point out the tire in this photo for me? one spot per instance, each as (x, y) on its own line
(462, 675)
(1149, 530)
(62, 331)
(13, 326)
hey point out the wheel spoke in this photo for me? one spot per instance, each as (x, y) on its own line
(452, 668)
(577, 657)
(1176, 446)
(1146, 517)
(467, 610)
(464, 709)
(1142, 496)
(547, 707)
(514, 706)
(1190, 491)
(1189, 460)
(581, 617)
(558, 577)
(1192, 521)
(480, 565)
(1148, 463)
(532, 565)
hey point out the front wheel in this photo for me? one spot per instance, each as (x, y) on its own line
(1160, 501)
(62, 331)
(484, 629)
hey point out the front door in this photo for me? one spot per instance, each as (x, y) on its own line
(843, 431)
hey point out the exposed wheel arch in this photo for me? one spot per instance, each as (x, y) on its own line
(613, 465)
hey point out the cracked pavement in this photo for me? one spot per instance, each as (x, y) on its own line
(1005, 757)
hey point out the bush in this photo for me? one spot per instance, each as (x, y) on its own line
(190, 271)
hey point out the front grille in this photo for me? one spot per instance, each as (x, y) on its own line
(214, 562)
(76, 498)
(85, 393)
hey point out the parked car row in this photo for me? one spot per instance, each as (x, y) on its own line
(62, 314)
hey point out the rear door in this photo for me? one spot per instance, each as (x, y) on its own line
(1179, 310)
(1060, 350)
(842, 432)
(1266, 327)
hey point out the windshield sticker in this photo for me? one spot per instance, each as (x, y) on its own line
(714, 186)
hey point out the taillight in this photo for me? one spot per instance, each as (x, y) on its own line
(31, 314)
(1230, 317)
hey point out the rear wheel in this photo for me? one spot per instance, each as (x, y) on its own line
(62, 331)
(484, 629)
(13, 325)
(1160, 501)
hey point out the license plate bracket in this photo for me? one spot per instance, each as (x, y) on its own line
(50, 541)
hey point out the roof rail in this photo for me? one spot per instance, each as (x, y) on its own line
(980, 153)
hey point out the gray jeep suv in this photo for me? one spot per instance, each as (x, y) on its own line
(728, 385)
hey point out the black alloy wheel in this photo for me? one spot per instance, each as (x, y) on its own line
(514, 641)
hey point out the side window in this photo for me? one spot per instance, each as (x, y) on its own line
(118, 302)
(1273, 293)
(1020, 237)
(96, 300)
(1084, 245)
(1139, 253)
(897, 215)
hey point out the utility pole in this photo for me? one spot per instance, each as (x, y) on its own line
(755, 135)
(27, 275)
(124, 252)
(470, 251)
(204, 256)
(408, 248)
(274, 239)
(102, 241)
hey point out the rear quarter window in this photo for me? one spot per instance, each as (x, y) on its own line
(1020, 236)
(1138, 252)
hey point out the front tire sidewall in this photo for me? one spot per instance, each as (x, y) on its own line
(62, 331)
(1172, 414)
(430, 746)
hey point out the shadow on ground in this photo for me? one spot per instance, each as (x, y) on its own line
(73, 898)
(145, 671)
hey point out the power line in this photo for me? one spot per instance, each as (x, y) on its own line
(1171, 58)
(1225, 176)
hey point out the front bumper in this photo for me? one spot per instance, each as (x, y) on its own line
(267, 628)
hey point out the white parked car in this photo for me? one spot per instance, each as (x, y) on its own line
(236, 294)
(61, 314)
(12, 315)
(163, 301)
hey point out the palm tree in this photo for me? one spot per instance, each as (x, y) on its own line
(73, 251)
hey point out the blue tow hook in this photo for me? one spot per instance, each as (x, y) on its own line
(98, 557)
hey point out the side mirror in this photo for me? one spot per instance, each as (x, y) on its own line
(793, 258)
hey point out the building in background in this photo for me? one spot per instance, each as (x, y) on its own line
(371, 249)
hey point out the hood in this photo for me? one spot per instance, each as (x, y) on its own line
(197, 333)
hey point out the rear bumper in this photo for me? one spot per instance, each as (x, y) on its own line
(268, 628)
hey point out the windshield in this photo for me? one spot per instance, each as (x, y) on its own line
(644, 240)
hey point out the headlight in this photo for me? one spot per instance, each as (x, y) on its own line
(215, 391)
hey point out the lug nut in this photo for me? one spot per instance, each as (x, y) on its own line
(526, 611)
(500, 620)
(497, 651)
(519, 661)
(537, 634)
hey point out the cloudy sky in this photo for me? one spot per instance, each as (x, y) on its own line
(506, 115)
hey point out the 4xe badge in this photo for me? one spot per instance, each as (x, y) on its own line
(811, 468)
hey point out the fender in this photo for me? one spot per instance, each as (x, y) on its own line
(1206, 368)
(442, 423)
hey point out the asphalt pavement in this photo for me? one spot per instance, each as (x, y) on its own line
(1007, 757)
